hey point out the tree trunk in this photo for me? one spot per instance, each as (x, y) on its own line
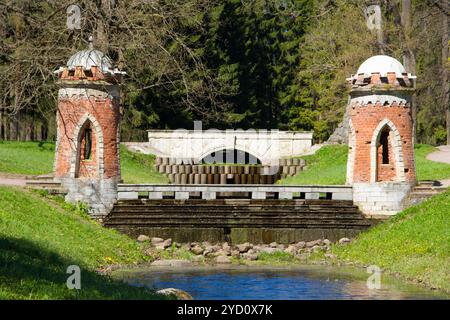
(409, 59)
(102, 22)
(445, 66)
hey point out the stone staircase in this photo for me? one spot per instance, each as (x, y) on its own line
(238, 220)
(45, 182)
(423, 191)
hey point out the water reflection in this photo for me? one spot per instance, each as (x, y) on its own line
(306, 283)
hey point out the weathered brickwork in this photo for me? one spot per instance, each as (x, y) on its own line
(71, 114)
(365, 120)
(88, 116)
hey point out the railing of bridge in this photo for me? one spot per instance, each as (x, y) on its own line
(213, 191)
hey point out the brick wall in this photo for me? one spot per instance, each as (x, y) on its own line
(105, 120)
(365, 120)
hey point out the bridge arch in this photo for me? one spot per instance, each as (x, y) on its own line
(235, 156)
(239, 152)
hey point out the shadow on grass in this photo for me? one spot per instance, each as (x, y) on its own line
(30, 272)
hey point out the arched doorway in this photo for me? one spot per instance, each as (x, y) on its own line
(386, 155)
(87, 158)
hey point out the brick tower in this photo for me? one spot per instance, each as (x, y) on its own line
(87, 149)
(381, 148)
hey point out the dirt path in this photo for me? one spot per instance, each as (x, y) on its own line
(443, 155)
(9, 179)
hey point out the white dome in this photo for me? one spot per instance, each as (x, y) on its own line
(383, 65)
(90, 58)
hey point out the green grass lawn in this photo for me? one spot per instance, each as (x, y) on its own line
(35, 158)
(138, 168)
(41, 237)
(426, 169)
(26, 157)
(328, 166)
(414, 244)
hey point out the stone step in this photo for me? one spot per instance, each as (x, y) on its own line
(237, 202)
(51, 186)
(240, 223)
(168, 209)
(42, 177)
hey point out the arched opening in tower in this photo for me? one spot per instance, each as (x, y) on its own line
(87, 152)
(386, 170)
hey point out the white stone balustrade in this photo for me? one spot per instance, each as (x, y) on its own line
(209, 192)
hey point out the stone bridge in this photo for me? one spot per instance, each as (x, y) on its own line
(264, 147)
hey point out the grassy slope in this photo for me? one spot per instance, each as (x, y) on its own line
(329, 166)
(26, 157)
(39, 239)
(414, 243)
(37, 158)
(138, 168)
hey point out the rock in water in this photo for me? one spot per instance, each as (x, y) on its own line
(180, 294)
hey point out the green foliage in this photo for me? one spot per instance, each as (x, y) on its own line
(39, 240)
(414, 244)
(255, 46)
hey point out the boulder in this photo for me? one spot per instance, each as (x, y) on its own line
(291, 249)
(208, 251)
(301, 244)
(270, 250)
(197, 250)
(311, 244)
(235, 253)
(250, 256)
(220, 253)
(223, 260)
(273, 245)
(167, 243)
(244, 247)
(180, 294)
(327, 242)
(156, 241)
(344, 240)
(143, 238)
